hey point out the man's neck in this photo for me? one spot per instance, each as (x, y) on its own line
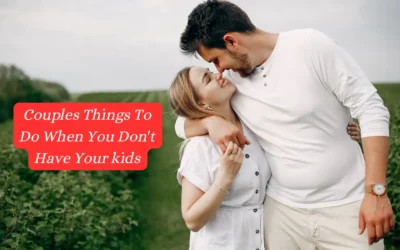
(261, 46)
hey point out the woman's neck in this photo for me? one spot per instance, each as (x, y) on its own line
(228, 113)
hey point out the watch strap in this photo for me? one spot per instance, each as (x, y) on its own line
(370, 189)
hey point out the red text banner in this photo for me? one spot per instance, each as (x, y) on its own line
(87, 136)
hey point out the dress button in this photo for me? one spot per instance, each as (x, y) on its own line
(257, 173)
(247, 155)
(255, 210)
(257, 191)
(257, 231)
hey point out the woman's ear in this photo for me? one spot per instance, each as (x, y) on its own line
(202, 104)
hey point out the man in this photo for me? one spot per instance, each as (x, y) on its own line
(297, 90)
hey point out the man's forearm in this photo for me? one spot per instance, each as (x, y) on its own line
(195, 127)
(376, 152)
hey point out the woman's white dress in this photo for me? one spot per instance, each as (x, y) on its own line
(238, 224)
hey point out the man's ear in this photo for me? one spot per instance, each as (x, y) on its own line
(231, 42)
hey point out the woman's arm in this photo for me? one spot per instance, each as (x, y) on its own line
(198, 207)
(354, 131)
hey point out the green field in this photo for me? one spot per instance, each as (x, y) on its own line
(157, 193)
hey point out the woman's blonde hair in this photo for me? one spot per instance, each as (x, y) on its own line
(184, 101)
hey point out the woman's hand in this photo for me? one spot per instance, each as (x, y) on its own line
(199, 207)
(354, 131)
(231, 162)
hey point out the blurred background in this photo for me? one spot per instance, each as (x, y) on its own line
(128, 51)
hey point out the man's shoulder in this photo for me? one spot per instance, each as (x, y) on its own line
(305, 41)
(298, 37)
(311, 36)
(304, 33)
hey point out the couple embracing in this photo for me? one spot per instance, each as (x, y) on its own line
(271, 158)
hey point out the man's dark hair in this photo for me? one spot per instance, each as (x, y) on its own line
(210, 21)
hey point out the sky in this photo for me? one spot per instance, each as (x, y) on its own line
(103, 45)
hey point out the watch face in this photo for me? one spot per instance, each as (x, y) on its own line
(379, 189)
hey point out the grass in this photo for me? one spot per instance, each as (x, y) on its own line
(390, 94)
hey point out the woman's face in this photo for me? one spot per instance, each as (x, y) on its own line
(208, 89)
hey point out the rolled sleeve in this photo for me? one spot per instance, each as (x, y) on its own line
(193, 167)
(180, 127)
(344, 77)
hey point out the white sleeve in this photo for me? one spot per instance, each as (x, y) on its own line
(193, 166)
(180, 127)
(344, 77)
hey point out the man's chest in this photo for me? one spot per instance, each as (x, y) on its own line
(282, 95)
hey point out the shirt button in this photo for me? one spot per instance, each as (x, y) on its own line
(255, 210)
(247, 156)
(262, 68)
(257, 249)
(257, 231)
(257, 191)
(257, 173)
(265, 84)
(264, 76)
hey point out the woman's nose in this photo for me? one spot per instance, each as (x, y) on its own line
(216, 76)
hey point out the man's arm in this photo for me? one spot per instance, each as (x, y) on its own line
(340, 73)
(186, 128)
(220, 130)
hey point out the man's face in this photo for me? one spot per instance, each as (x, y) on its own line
(225, 59)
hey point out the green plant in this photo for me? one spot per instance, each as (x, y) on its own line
(62, 209)
(393, 177)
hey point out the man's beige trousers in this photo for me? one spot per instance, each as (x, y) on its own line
(334, 228)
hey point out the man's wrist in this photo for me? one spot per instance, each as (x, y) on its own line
(376, 189)
(369, 182)
(369, 195)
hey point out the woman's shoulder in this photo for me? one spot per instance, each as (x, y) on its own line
(201, 140)
(200, 149)
(199, 145)
(198, 159)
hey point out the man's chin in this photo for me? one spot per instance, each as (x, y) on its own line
(243, 73)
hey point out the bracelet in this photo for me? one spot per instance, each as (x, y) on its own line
(226, 192)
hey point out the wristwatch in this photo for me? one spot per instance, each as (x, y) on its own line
(376, 189)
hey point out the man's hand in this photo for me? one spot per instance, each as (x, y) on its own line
(376, 214)
(222, 132)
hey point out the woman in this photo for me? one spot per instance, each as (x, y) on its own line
(222, 194)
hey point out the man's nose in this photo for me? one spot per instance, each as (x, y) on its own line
(220, 69)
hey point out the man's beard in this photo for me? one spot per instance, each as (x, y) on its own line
(245, 70)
